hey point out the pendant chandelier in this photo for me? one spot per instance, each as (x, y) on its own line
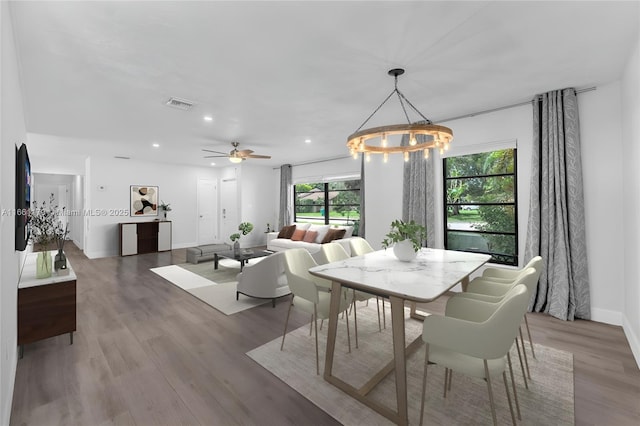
(375, 140)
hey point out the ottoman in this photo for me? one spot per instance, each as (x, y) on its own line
(206, 252)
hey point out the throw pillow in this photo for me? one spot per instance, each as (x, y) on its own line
(303, 226)
(286, 232)
(310, 237)
(298, 235)
(333, 234)
(321, 230)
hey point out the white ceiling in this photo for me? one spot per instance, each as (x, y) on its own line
(272, 74)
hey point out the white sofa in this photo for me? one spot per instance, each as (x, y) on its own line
(265, 279)
(280, 244)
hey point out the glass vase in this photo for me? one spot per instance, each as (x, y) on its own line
(60, 261)
(43, 264)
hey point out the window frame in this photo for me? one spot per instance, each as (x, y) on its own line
(446, 206)
(327, 204)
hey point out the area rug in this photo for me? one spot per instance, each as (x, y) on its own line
(549, 399)
(216, 288)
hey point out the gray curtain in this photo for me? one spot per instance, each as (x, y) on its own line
(556, 216)
(361, 226)
(418, 195)
(286, 196)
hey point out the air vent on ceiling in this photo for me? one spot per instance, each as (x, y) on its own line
(182, 104)
(120, 157)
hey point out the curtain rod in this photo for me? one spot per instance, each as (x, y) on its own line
(316, 161)
(486, 111)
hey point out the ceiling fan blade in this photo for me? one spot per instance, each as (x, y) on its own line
(244, 152)
(217, 152)
(215, 156)
(258, 156)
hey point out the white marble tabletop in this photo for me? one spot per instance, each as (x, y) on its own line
(28, 276)
(432, 273)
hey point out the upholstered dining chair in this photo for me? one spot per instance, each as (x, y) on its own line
(359, 246)
(501, 275)
(307, 294)
(492, 292)
(475, 340)
(495, 281)
(334, 252)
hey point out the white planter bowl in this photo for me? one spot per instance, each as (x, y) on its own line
(404, 251)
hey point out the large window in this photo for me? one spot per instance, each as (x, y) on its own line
(481, 204)
(335, 203)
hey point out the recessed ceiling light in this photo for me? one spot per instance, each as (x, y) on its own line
(213, 164)
(156, 145)
(307, 141)
(208, 118)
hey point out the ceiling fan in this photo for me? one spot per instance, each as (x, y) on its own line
(235, 155)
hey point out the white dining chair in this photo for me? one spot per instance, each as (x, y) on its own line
(475, 341)
(309, 294)
(501, 275)
(488, 291)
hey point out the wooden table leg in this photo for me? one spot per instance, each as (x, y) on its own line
(397, 324)
(215, 261)
(334, 307)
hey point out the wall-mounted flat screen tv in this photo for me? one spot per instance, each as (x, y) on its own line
(23, 197)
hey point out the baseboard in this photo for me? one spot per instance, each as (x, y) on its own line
(99, 254)
(632, 338)
(606, 316)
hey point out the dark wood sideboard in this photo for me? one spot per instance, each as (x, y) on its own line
(46, 306)
(144, 237)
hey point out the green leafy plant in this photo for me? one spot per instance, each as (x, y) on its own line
(401, 231)
(244, 228)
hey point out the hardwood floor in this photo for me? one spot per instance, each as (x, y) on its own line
(148, 353)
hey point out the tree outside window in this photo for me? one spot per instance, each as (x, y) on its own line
(481, 204)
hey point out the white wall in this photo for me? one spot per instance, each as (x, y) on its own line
(256, 202)
(630, 202)
(107, 188)
(12, 133)
(602, 172)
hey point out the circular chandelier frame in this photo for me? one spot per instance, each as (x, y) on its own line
(441, 136)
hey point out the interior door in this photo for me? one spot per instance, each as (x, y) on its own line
(228, 209)
(207, 207)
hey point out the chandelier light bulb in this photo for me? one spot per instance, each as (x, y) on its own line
(412, 139)
(441, 151)
(385, 157)
(368, 157)
(406, 156)
(426, 153)
(355, 155)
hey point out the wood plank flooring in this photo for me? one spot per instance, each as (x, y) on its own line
(148, 353)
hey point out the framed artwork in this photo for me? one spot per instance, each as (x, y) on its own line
(144, 200)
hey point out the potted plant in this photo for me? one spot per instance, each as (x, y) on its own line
(244, 228)
(164, 208)
(406, 238)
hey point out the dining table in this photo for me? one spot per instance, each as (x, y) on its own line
(430, 275)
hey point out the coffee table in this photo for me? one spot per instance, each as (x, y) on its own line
(242, 256)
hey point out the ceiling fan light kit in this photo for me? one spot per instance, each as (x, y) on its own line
(236, 156)
(434, 136)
